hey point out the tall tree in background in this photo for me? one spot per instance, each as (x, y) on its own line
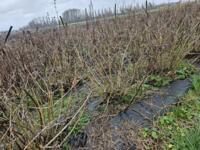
(72, 15)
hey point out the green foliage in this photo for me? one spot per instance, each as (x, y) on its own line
(153, 133)
(146, 86)
(144, 132)
(126, 99)
(128, 96)
(196, 82)
(132, 92)
(159, 81)
(77, 127)
(82, 122)
(182, 113)
(189, 140)
(66, 146)
(166, 120)
(183, 73)
(185, 70)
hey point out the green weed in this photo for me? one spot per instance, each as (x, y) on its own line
(185, 70)
(188, 140)
(158, 81)
(196, 82)
(81, 123)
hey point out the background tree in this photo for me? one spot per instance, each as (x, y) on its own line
(73, 15)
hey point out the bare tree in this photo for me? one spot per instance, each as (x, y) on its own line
(42, 22)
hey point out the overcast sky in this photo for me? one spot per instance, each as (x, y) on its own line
(19, 12)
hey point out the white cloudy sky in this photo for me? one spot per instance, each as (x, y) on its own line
(19, 12)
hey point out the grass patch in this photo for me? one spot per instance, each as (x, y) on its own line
(188, 139)
(178, 129)
(185, 70)
(196, 83)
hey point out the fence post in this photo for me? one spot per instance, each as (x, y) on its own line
(115, 10)
(146, 9)
(86, 19)
(8, 34)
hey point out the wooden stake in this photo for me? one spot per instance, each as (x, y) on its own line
(8, 34)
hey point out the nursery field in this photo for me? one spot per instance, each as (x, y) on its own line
(130, 82)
